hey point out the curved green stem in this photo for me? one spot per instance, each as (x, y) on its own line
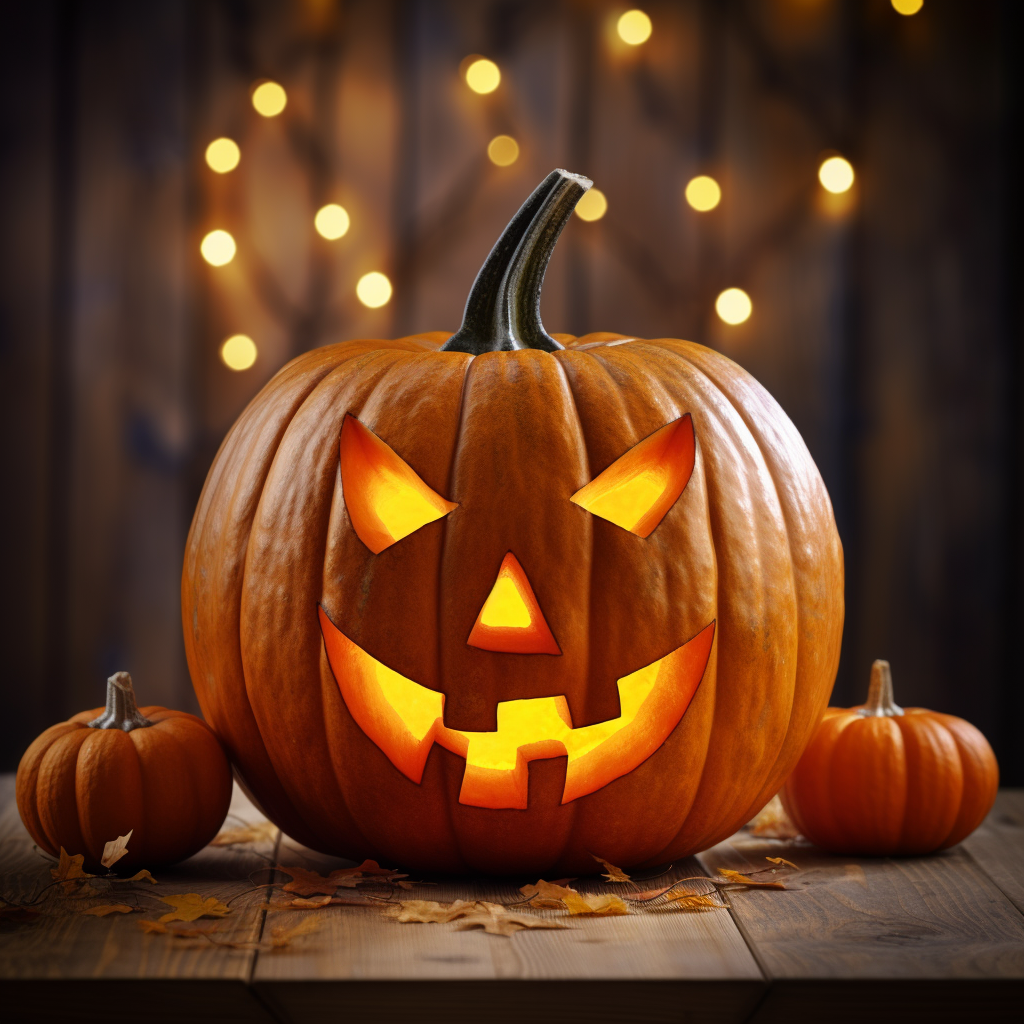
(121, 711)
(503, 309)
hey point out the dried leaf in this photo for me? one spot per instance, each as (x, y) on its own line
(696, 901)
(782, 860)
(307, 904)
(191, 906)
(648, 894)
(260, 832)
(430, 912)
(69, 869)
(737, 878)
(546, 895)
(497, 920)
(596, 905)
(611, 872)
(140, 876)
(282, 935)
(115, 849)
(773, 822)
(109, 908)
(153, 926)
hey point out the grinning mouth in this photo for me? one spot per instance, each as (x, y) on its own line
(405, 719)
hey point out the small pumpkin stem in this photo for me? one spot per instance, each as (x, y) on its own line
(880, 702)
(503, 309)
(121, 711)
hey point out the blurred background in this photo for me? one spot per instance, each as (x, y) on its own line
(194, 191)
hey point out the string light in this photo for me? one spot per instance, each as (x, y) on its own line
(703, 193)
(634, 27)
(503, 150)
(593, 205)
(238, 352)
(218, 248)
(836, 174)
(331, 221)
(483, 76)
(269, 99)
(907, 7)
(734, 306)
(373, 289)
(222, 155)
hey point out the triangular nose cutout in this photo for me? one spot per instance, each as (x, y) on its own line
(510, 620)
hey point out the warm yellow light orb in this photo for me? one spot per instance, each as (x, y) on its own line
(331, 221)
(269, 99)
(373, 289)
(836, 174)
(593, 205)
(907, 7)
(483, 76)
(222, 155)
(503, 150)
(238, 352)
(218, 248)
(703, 193)
(734, 306)
(634, 27)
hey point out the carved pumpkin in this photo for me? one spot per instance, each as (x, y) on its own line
(104, 772)
(498, 600)
(884, 780)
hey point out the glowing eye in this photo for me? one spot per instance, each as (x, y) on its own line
(386, 500)
(636, 490)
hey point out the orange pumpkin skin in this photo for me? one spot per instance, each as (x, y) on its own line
(80, 787)
(895, 781)
(750, 545)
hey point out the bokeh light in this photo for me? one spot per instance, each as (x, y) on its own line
(218, 248)
(703, 193)
(634, 27)
(593, 205)
(238, 352)
(734, 306)
(222, 155)
(483, 76)
(836, 174)
(331, 221)
(503, 150)
(907, 7)
(373, 289)
(269, 99)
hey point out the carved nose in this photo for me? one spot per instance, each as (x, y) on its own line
(510, 620)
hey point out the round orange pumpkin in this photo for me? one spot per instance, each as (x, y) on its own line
(500, 601)
(884, 780)
(91, 779)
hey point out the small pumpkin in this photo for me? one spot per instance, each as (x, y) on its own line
(881, 779)
(104, 772)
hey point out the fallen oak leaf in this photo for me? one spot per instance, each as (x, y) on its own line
(496, 920)
(191, 906)
(109, 908)
(115, 849)
(611, 872)
(782, 860)
(304, 903)
(431, 912)
(596, 905)
(140, 876)
(283, 935)
(695, 901)
(737, 878)
(260, 832)
(546, 895)
(69, 869)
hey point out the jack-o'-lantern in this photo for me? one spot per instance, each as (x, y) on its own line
(501, 600)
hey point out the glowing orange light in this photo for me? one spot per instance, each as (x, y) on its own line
(404, 719)
(510, 619)
(385, 498)
(636, 490)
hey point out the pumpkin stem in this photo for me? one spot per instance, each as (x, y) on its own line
(503, 309)
(880, 702)
(121, 711)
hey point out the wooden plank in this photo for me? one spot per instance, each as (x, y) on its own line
(998, 845)
(66, 945)
(635, 967)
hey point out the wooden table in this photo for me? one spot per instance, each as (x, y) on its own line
(929, 938)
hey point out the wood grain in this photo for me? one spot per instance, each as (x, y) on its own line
(998, 845)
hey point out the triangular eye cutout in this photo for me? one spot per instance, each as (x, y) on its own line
(511, 620)
(638, 488)
(385, 498)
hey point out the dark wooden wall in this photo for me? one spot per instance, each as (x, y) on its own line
(887, 325)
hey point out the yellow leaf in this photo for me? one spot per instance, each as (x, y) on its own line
(260, 832)
(597, 905)
(115, 849)
(191, 906)
(429, 912)
(612, 873)
(69, 869)
(109, 908)
(497, 920)
(547, 895)
(307, 904)
(283, 934)
(736, 878)
(140, 876)
(153, 926)
(782, 860)
(695, 901)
